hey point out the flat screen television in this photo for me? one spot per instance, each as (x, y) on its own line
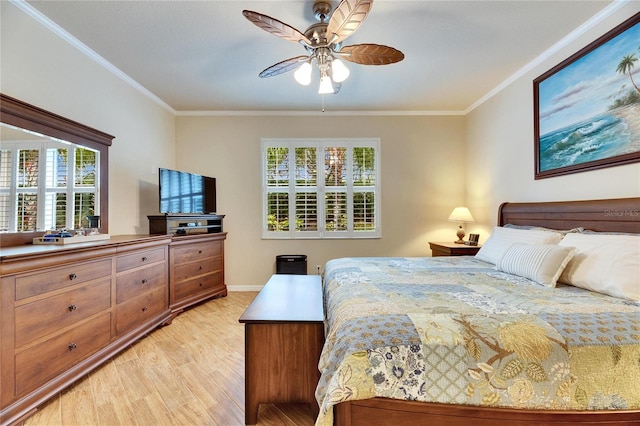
(186, 193)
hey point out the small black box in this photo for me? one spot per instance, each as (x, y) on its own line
(291, 264)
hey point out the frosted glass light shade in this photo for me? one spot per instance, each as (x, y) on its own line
(326, 86)
(303, 74)
(339, 70)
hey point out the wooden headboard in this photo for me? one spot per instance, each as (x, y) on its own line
(614, 215)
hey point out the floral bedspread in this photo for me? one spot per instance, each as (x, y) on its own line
(455, 330)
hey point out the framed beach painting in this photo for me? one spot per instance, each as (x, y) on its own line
(587, 108)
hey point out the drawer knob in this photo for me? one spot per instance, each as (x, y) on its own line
(144, 258)
(200, 267)
(72, 308)
(200, 284)
(72, 276)
(72, 346)
(144, 309)
(144, 281)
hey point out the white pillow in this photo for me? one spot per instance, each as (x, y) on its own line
(541, 263)
(608, 264)
(502, 238)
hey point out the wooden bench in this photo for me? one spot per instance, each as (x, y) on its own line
(284, 335)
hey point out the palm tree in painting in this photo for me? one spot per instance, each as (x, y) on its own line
(626, 65)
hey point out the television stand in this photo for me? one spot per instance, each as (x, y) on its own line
(185, 224)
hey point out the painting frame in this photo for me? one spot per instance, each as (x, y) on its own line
(570, 140)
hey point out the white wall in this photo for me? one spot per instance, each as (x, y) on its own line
(40, 68)
(500, 147)
(422, 181)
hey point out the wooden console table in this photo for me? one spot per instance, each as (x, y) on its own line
(284, 335)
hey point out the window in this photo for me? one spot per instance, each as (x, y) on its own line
(326, 188)
(47, 185)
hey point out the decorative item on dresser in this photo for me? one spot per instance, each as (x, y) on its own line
(452, 249)
(67, 309)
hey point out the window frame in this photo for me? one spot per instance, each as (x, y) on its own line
(320, 144)
(42, 190)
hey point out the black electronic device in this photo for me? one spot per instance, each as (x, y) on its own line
(473, 240)
(186, 193)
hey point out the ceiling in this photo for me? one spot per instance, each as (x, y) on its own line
(205, 56)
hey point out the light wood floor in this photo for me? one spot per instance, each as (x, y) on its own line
(188, 373)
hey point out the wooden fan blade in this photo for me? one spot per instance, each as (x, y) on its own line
(371, 54)
(346, 19)
(275, 27)
(284, 66)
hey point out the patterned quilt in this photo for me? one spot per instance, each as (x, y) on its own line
(455, 330)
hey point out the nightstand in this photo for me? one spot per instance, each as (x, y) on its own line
(452, 249)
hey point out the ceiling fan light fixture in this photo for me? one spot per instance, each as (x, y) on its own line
(323, 41)
(339, 71)
(326, 85)
(303, 74)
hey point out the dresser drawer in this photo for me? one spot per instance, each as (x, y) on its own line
(56, 278)
(192, 252)
(48, 359)
(197, 285)
(37, 319)
(137, 311)
(133, 284)
(140, 258)
(187, 271)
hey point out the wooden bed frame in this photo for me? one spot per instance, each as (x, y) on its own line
(614, 215)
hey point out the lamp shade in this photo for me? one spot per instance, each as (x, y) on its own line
(461, 214)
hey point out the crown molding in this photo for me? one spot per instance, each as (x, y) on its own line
(86, 50)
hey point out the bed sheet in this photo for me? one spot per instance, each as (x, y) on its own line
(455, 330)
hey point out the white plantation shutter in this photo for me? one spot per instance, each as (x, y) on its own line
(7, 207)
(27, 178)
(306, 189)
(306, 213)
(321, 188)
(276, 177)
(85, 195)
(56, 174)
(47, 185)
(336, 216)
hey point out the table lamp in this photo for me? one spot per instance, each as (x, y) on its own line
(461, 215)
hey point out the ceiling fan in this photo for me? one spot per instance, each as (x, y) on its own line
(324, 44)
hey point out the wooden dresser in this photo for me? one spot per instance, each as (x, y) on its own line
(67, 309)
(197, 269)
